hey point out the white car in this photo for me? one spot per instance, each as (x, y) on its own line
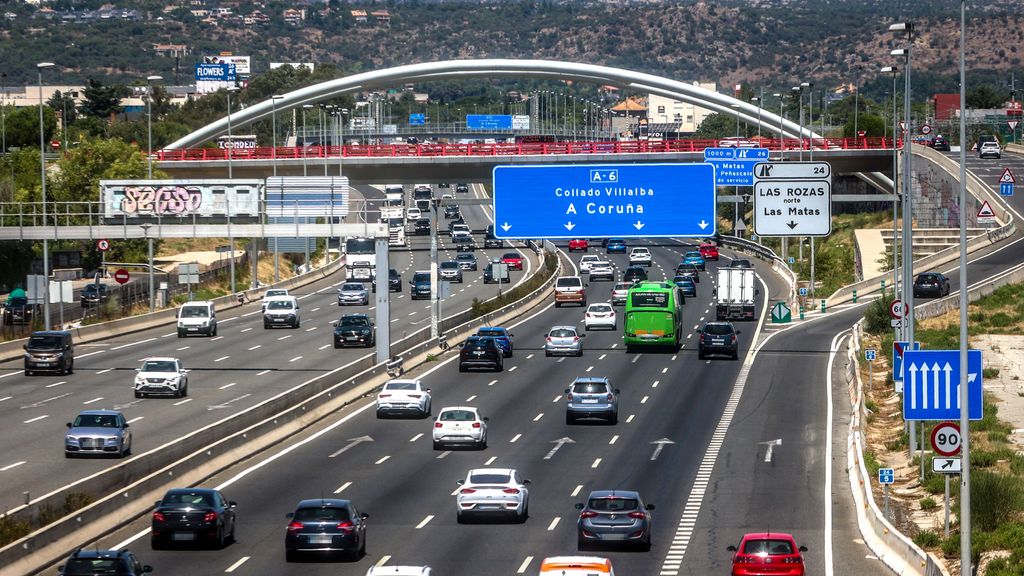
(460, 425)
(602, 270)
(161, 375)
(586, 260)
(640, 257)
(990, 150)
(413, 214)
(600, 315)
(620, 293)
(271, 293)
(493, 492)
(400, 571)
(403, 397)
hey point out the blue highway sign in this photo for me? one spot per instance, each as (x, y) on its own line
(1006, 189)
(803, 291)
(886, 476)
(620, 200)
(869, 354)
(898, 348)
(735, 166)
(417, 119)
(488, 122)
(931, 384)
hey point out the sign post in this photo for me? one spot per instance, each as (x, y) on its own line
(870, 354)
(946, 441)
(886, 477)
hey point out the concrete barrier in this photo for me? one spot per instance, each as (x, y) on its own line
(131, 486)
(975, 293)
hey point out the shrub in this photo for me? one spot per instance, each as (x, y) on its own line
(928, 504)
(927, 539)
(871, 463)
(995, 499)
(876, 317)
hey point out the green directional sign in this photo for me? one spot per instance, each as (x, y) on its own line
(781, 313)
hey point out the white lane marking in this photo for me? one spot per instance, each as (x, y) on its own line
(222, 358)
(557, 398)
(644, 399)
(136, 419)
(132, 344)
(36, 419)
(630, 418)
(262, 373)
(104, 371)
(601, 357)
(315, 309)
(636, 358)
(664, 370)
(382, 460)
(179, 403)
(183, 348)
(324, 346)
(529, 356)
(416, 437)
(673, 359)
(836, 342)
(513, 369)
(614, 439)
(554, 522)
(90, 354)
(9, 466)
(576, 491)
(524, 565)
(492, 382)
(471, 398)
(215, 338)
(164, 336)
(515, 438)
(228, 385)
(296, 358)
(383, 560)
(539, 416)
(285, 337)
(342, 487)
(93, 400)
(655, 384)
(6, 398)
(413, 313)
(425, 521)
(255, 347)
(589, 368)
(241, 561)
(245, 329)
(311, 329)
(55, 384)
(615, 345)
(444, 454)
(597, 462)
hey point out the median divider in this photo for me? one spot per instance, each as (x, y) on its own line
(131, 486)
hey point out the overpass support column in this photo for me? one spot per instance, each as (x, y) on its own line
(383, 302)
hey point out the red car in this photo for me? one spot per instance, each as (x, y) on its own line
(578, 244)
(709, 251)
(514, 260)
(767, 554)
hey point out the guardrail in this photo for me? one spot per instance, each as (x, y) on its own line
(203, 452)
(945, 304)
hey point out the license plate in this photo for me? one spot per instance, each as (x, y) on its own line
(590, 401)
(614, 537)
(42, 363)
(718, 342)
(320, 539)
(278, 319)
(351, 338)
(183, 536)
(193, 329)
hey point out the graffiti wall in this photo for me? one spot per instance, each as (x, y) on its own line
(181, 198)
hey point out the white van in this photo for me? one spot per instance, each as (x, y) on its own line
(199, 317)
(281, 311)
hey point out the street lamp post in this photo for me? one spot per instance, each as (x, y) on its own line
(149, 136)
(965, 476)
(42, 175)
(304, 145)
(757, 102)
(856, 105)
(231, 143)
(894, 70)
(273, 163)
(149, 242)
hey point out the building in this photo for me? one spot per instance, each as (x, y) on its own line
(946, 106)
(294, 16)
(382, 17)
(171, 50)
(684, 116)
(359, 16)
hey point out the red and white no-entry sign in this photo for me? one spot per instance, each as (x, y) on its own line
(121, 276)
(897, 310)
(103, 245)
(946, 439)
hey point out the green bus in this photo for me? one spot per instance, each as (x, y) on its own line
(653, 316)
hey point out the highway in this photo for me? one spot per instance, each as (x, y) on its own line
(241, 367)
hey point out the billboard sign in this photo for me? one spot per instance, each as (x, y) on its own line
(180, 198)
(521, 122)
(242, 63)
(216, 72)
(307, 196)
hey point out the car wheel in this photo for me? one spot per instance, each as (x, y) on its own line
(462, 368)
(526, 514)
(570, 419)
(220, 541)
(581, 544)
(579, 352)
(459, 519)
(214, 331)
(156, 544)
(735, 355)
(231, 536)
(586, 327)
(646, 544)
(181, 334)
(138, 394)
(701, 355)
(184, 391)
(614, 419)
(438, 445)
(547, 354)
(337, 345)
(429, 410)
(71, 367)
(289, 556)
(558, 304)
(483, 445)
(499, 367)
(266, 326)
(28, 372)
(297, 324)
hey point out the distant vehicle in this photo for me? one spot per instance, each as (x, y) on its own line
(282, 311)
(271, 293)
(570, 289)
(450, 271)
(576, 566)
(459, 228)
(619, 293)
(49, 351)
(493, 492)
(990, 150)
(451, 211)
(360, 258)
(466, 260)
(108, 562)
(513, 259)
(615, 246)
(481, 352)
(736, 143)
(735, 293)
(602, 270)
(94, 295)
(198, 317)
(564, 340)
(464, 243)
(931, 285)
(740, 263)
(492, 241)
(591, 397)
(18, 310)
(718, 338)
(767, 553)
(413, 213)
(640, 256)
(325, 526)
(460, 426)
(653, 316)
(614, 517)
(492, 276)
(163, 376)
(686, 285)
(353, 293)
(634, 274)
(408, 396)
(709, 251)
(462, 188)
(394, 281)
(940, 143)
(694, 257)
(354, 329)
(600, 315)
(585, 262)
(192, 516)
(102, 432)
(688, 271)
(422, 192)
(419, 286)
(580, 244)
(501, 335)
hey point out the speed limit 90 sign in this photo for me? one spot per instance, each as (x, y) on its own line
(946, 439)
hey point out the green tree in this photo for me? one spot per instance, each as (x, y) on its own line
(718, 126)
(62, 103)
(870, 124)
(80, 169)
(985, 96)
(102, 101)
(23, 126)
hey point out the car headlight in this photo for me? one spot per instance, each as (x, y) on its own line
(71, 439)
(113, 440)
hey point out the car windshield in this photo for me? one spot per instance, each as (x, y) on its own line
(91, 288)
(159, 366)
(191, 498)
(279, 305)
(322, 514)
(478, 343)
(927, 278)
(612, 504)
(489, 478)
(511, 256)
(449, 265)
(465, 257)
(421, 277)
(194, 312)
(718, 329)
(623, 286)
(400, 386)
(14, 301)
(616, 241)
(589, 388)
(768, 547)
(276, 293)
(568, 283)
(96, 421)
(562, 333)
(493, 332)
(352, 287)
(354, 321)
(92, 566)
(458, 416)
(600, 308)
(693, 255)
(45, 341)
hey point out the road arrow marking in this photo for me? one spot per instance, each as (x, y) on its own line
(770, 445)
(638, 225)
(352, 442)
(505, 226)
(558, 444)
(659, 445)
(570, 226)
(792, 224)
(703, 224)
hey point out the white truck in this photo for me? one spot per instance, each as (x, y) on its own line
(735, 294)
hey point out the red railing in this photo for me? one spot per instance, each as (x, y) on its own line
(516, 149)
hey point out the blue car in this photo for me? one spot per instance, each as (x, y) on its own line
(502, 336)
(694, 258)
(686, 285)
(616, 245)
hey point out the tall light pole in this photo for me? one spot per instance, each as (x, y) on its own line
(856, 105)
(231, 143)
(149, 243)
(965, 476)
(149, 134)
(342, 112)
(42, 175)
(757, 102)
(894, 70)
(273, 163)
(304, 144)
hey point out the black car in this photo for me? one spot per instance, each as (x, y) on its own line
(354, 330)
(421, 227)
(94, 295)
(419, 286)
(490, 240)
(452, 211)
(192, 516)
(740, 263)
(325, 526)
(17, 310)
(940, 143)
(718, 338)
(394, 281)
(634, 274)
(106, 562)
(481, 352)
(461, 188)
(931, 285)
(50, 351)
(464, 243)
(489, 272)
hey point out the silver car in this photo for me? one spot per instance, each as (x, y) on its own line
(620, 292)
(591, 398)
(614, 517)
(353, 294)
(98, 432)
(564, 340)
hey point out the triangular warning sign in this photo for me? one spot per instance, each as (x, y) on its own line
(986, 211)
(1007, 177)
(1012, 124)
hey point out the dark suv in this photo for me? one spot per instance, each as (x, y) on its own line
(931, 285)
(481, 352)
(50, 351)
(419, 285)
(17, 310)
(354, 329)
(107, 562)
(94, 295)
(394, 281)
(718, 338)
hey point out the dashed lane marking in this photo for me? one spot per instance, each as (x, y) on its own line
(342, 487)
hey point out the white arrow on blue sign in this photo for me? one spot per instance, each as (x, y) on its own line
(1006, 189)
(589, 200)
(931, 384)
(803, 291)
(735, 166)
(886, 476)
(870, 354)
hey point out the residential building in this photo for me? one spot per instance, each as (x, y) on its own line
(684, 116)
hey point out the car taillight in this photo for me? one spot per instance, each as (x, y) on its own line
(476, 424)
(467, 491)
(793, 560)
(637, 515)
(210, 517)
(744, 559)
(295, 526)
(588, 315)
(733, 338)
(511, 490)
(588, 514)
(575, 339)
(345, 526)
(569, 397)
(437, 424)
(414, 395)
(385, 395)
(158, 516)
(609, 397)
(548, 338)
